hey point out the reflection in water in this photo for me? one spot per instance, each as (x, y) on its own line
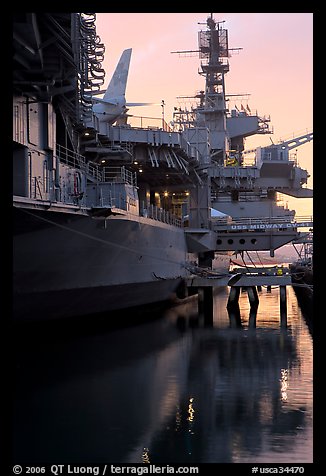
(145, 456)
(169, 391)
(237, 399)
(284, 384)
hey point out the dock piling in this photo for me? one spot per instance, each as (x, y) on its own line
(233, 296)
(253, 317)
(283, 306)
(205, 304)
(238, 282)
(233, 307)
(253, 296)
(234, 315)
(254, 301)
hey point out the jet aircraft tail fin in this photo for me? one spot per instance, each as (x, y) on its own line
(118, 83)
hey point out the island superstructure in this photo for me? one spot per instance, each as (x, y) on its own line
(111, 216)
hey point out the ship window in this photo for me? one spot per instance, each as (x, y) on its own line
(219, 241)
(230, 241)
(242, 241)
(253, 241)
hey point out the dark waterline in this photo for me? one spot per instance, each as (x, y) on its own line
(167, 390)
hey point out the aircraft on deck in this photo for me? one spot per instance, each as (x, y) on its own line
(113, 105)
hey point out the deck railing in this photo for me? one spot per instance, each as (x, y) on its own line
(159, 214)
(97, 172)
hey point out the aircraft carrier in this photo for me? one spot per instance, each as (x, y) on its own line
(110, 216)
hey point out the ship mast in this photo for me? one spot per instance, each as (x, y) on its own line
(214, 53)
(207, 124)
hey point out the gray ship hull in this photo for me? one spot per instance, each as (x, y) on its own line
(66, 264)
(91, 300)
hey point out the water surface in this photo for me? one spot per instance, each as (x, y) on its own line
(168, 390)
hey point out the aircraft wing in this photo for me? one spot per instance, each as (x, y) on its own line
(134, 104)
(114, 102)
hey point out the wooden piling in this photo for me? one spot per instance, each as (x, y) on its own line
(233, 307)
(201, 301)
(206, 304)
(234, 315)
(233, 296)
(254, 301)
(283, 306)
(253, 296)
(253, 317)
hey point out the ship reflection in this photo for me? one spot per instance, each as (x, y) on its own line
(89, 396)
(155, 393)
(238, 386)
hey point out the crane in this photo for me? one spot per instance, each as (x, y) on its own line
(280, 151)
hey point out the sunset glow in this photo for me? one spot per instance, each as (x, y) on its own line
(273, 70)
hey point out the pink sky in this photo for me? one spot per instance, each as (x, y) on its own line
(275, 67)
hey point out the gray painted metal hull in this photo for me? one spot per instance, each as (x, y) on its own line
(91, 300)
(66, 264)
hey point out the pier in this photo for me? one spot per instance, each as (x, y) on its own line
(251, 280)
